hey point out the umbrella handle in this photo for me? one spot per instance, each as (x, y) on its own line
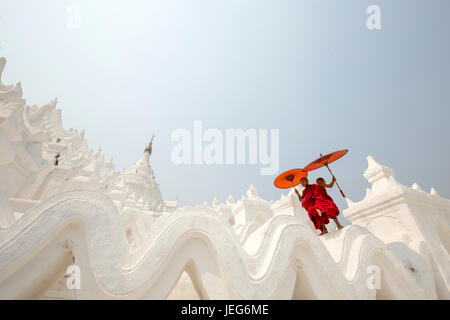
(339, 187)
(298, 193)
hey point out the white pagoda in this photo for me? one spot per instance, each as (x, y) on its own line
(72, 227)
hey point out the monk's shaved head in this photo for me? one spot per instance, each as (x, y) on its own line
(321, 181)
(304, 181)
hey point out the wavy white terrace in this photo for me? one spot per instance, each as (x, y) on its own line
(62, 204)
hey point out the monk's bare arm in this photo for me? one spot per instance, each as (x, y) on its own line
(330, 185)
(299, 196)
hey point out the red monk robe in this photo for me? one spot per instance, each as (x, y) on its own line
(309, 203)
(324, 202)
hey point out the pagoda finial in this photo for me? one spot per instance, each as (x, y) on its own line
(149, 147)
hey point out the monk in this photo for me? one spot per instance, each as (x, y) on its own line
(324, 202)
(318, 218)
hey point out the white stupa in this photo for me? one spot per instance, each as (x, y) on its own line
(72, 227)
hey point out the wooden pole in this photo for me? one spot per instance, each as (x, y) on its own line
(335, 180)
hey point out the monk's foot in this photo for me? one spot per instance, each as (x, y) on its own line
(339, 227)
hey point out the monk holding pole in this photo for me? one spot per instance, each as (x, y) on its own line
(318, 218)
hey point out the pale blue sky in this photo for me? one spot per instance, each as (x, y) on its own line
(309, 68)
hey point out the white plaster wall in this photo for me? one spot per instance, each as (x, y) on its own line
(54, 216)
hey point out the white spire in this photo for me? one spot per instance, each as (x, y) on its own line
(376, 171)
(434, 192)
(416, 186)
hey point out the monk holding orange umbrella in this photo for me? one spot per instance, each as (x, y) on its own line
(325, 161)
(308, 200)
(324, 202)
(290, 179)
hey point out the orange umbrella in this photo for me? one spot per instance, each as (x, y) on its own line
(325, 161)
(290, 178)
